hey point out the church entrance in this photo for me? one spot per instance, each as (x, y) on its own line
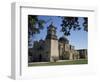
(40, 57)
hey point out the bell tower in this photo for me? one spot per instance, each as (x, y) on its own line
(52, 40)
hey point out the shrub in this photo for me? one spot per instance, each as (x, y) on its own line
(55, 58)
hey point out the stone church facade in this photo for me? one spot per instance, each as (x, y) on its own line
(52, 49)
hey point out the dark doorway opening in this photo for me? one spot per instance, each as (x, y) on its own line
(40, 57)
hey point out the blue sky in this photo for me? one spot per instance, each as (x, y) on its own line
(77, 38)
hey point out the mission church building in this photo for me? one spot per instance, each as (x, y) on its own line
(53, 48)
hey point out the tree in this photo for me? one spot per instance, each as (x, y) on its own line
(69, 23)
(34, 26)
(85, 24)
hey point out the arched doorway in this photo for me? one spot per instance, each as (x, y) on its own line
(40, 57)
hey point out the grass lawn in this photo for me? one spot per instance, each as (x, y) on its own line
(73, 62)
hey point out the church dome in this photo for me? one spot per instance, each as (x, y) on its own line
(63, 40)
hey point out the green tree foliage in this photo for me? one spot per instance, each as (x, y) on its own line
(85, 24)
(34, 26)
(69, 23)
